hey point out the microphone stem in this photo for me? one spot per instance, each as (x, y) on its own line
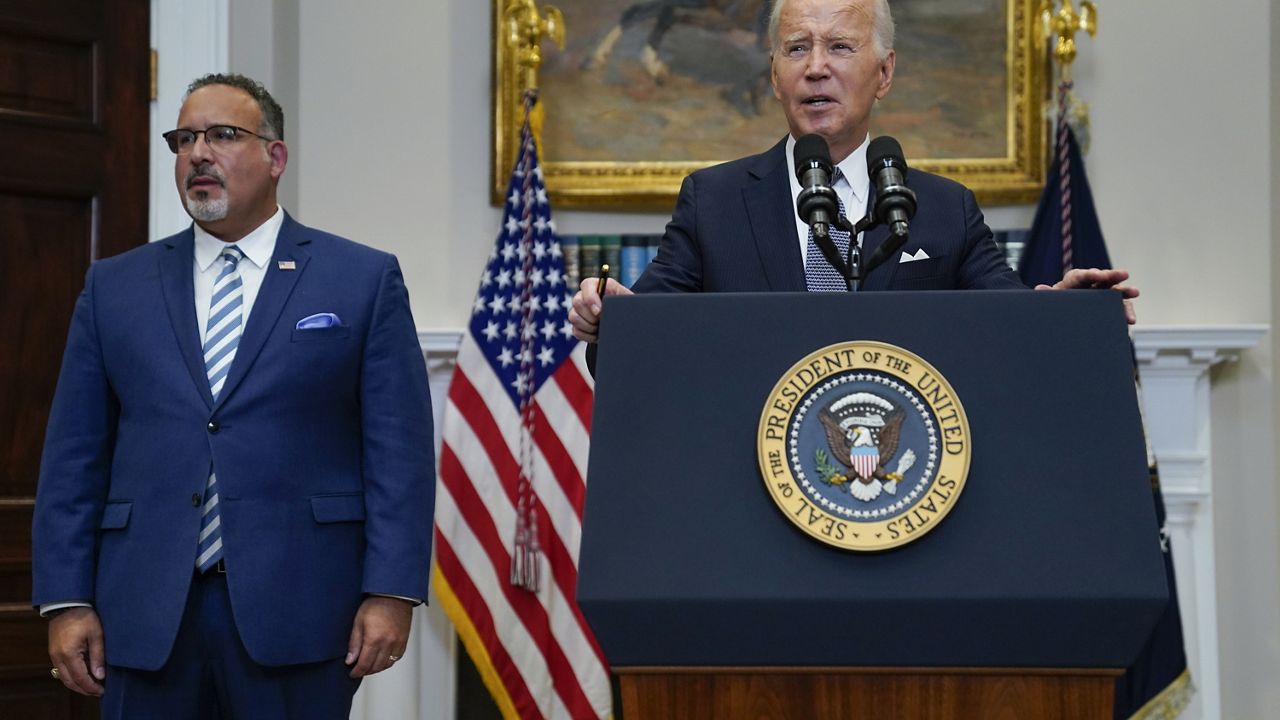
(854, 282)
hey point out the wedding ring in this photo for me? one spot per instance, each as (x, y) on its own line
(54, 673)
(392, 658)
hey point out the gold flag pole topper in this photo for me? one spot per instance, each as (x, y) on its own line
(1063, 25)
(526, 28)
(1060, 28)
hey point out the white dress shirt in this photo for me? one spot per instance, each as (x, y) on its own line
(852, 189)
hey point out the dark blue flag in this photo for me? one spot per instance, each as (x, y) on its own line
(1046, 257)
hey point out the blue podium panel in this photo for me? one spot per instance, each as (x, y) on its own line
(1049, 558)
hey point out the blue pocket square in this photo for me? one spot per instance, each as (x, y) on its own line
(319, 320)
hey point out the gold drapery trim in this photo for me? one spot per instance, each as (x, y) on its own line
(1171, 701)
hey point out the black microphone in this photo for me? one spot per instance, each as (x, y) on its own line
(895, 202)
(816, 202)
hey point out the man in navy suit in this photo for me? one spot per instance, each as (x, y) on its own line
(234, 510)
(735, 227)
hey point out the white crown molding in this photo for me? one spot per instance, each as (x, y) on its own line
(1199, 344)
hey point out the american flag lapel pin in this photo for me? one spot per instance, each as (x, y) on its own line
(286, 265)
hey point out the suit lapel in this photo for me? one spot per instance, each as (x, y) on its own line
(177, 280)
(772, 220)
(277, 286)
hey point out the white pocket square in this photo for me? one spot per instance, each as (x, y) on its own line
(919, 255)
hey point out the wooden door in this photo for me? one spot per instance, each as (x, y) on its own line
(74, 93)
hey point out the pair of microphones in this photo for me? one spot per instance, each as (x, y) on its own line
(894, 204)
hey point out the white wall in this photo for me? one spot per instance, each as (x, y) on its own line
(1182, 169)
(1275, 211)
(263, 44)
(390, 145)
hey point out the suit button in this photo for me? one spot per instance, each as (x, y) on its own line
(195, 499)
(213, 427)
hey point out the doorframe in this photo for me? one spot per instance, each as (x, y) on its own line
(190, 39)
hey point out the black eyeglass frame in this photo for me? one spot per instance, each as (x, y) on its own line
(175, 150)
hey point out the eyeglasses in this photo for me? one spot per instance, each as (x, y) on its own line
(219, 137)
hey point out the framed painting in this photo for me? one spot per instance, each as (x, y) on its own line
(647, 91)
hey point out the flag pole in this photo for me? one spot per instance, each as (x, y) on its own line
(1060, 27)
(526, 27)
(516, 434)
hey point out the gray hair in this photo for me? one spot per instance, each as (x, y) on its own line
(272, 116)
(881, 26)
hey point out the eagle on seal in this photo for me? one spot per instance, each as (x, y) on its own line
(849, 424)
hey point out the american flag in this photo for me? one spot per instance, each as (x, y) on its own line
(513, 471)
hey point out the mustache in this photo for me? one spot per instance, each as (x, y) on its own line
(205, 172)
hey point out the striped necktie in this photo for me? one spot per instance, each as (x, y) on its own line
(222, 337)
(819, 276)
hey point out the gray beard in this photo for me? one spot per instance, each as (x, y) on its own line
(206, 210)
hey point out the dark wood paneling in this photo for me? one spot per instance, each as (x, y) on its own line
(53, 235)
(27, 640)
(15, 552)
(47, 78)
(65, 18)
(74, 88)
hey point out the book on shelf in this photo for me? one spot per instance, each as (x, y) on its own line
(634, 258)
(572, 270)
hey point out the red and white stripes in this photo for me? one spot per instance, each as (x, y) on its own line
(534, 650)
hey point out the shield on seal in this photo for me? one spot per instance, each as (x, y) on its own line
(864, 460)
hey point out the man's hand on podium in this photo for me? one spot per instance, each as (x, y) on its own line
(588, 306)
(1093, 278)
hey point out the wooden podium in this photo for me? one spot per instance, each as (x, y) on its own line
(1026, 601)
(809, 693)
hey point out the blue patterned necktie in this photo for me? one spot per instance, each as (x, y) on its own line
(819, 275)
(222, 337)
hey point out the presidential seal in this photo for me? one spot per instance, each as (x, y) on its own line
(864, 446)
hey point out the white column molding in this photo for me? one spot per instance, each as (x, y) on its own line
(436, 639)
(190, 39)
(1174, 363)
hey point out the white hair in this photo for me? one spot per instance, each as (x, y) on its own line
(206, 210)
(881, 26)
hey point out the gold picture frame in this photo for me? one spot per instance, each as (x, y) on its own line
(1010, 170)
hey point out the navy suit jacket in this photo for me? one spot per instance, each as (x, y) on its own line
(321, 438)
(734, 230)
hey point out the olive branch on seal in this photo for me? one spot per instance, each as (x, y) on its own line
(828, 473)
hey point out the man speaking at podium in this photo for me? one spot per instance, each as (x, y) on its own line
(735, 227)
